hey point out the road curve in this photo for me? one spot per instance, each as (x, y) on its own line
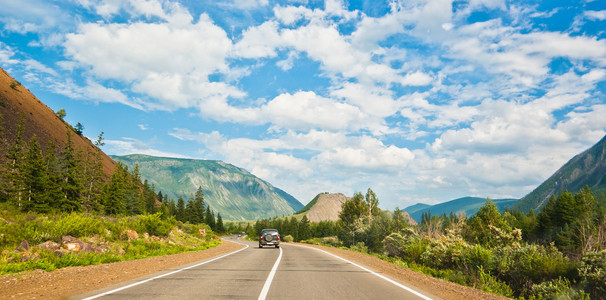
(300, 273)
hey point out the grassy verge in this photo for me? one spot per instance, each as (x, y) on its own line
(110, 239)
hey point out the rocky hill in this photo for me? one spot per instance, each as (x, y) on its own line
(17, 102)
(327, 206)
(229, 190)
(585, 169)
(467, 205)
(324, 207)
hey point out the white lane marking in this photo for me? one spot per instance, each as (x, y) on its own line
(270, 278)
(163, 275)
(370, 271)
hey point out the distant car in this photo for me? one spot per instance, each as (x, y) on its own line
(269, 237)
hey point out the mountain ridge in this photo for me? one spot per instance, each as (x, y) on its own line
(467, 205)
(230, 190)
(587, 168)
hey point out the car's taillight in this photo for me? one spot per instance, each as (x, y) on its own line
(278, 237)
(261, 237)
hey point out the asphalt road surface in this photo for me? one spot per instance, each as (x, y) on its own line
(290, 272)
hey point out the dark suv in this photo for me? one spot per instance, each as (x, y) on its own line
(269, 237)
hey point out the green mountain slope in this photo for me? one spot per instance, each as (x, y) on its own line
(229, 190)
(587, 168)
(468, 205)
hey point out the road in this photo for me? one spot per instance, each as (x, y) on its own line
(290, 272)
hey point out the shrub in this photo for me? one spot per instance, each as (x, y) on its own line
(531, 264)
(14, 84)
(155, 225)
(559, 288)
(287, 239)
(593, 273)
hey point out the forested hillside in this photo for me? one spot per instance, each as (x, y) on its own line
(585, 169)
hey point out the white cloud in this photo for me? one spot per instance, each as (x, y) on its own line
(258, 42)
(595, 15)
(306, 110)
(133, 146)
(93, 91)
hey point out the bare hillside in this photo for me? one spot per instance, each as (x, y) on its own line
(326, 208)
(17, 102)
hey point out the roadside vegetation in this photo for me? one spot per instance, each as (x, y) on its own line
(57, 209)
(558, 254)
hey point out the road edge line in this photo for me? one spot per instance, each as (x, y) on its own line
(270, 278)
(163, 275)
(370, 271)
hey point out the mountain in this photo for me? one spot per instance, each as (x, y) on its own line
(229, 190)
(17, 102)
(467, 205)
(585, 169)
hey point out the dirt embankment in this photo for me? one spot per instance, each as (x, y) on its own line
(17, 102)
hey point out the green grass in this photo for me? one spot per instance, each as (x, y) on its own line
(171, 237)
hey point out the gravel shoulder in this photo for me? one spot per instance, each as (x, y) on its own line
(66, 282)
(70, 281)
(434, 286)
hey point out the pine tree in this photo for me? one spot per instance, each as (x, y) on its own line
(150, 197)
(189, 211)
(180, 213)
(210, 218)
(93, 178)
(135, 202)
(71, 172)
(35, 180)
(114, 199)
(199, 206)
(304, 232)
(14, 175)
(54, 181)
(220, 227)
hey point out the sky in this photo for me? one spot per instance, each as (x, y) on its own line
(424, 101)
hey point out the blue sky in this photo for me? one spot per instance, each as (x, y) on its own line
(423, 101)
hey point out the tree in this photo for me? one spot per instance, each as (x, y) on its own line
(372, 202)
(210, 218)
(114, 201)
(304, 230)
(14, 165)
(93, 181)
(353, 209)
(149, 194)
(54, 181)
(100, 140)
(35, 179)
(79, 128)
(480, 225)
(220, 227)
(61, 113)
(71, 184)
(398, 220)
(197, 213)
(180, 213)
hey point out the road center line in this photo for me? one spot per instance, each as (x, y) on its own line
(270, 278)
(166, 274)
(370, 271)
